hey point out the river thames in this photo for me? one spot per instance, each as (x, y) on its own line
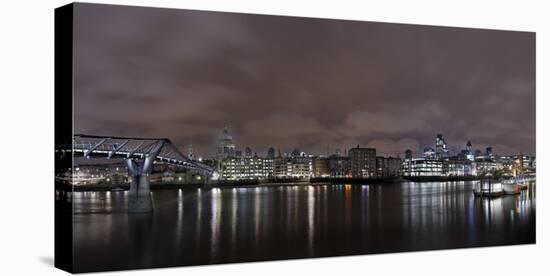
(221, 225)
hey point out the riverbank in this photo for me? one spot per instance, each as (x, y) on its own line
(440, 178)
(153, 186)
(264, 183)
(347, 180)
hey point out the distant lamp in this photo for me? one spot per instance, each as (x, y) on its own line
(215, 176)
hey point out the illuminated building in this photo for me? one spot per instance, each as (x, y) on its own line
(268, 163)
(363, 162)
(458, 166)
(388, 167)
(94, 174)
(519, 163)
(225, 148)
(429, 153)
(243, 167)
(232, 168)
(295, 165)
(168, 173)
(407, 163)
(441, 150)
(321, 167)
(254, 167)
(339, 166)
(422, 167)
(232, 165)
(526, 162)
(163, 173)
(486, 164)
(468, 153)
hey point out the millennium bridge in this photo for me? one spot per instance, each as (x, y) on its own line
(138, 154)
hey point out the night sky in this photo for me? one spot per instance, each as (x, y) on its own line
(290, 82)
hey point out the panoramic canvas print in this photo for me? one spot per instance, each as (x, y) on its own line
(194, 137)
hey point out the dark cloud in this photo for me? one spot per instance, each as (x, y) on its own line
(297, 82)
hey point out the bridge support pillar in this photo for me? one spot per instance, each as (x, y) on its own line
(139, 196)
(206, 178)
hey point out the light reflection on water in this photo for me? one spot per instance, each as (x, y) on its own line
(198, 226)
(310, 218)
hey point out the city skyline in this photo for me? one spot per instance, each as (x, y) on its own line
(284, 150)
(300, 82)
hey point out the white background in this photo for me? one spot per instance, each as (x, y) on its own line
(27, 123)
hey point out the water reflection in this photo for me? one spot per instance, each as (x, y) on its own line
(179, 221)
(256, 220)
(198, 226)
(310, 218)
(216, 201)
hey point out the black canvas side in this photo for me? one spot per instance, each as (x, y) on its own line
(63, 137)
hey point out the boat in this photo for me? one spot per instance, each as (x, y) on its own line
(488, 187)
(510, 185)
(522, 182)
